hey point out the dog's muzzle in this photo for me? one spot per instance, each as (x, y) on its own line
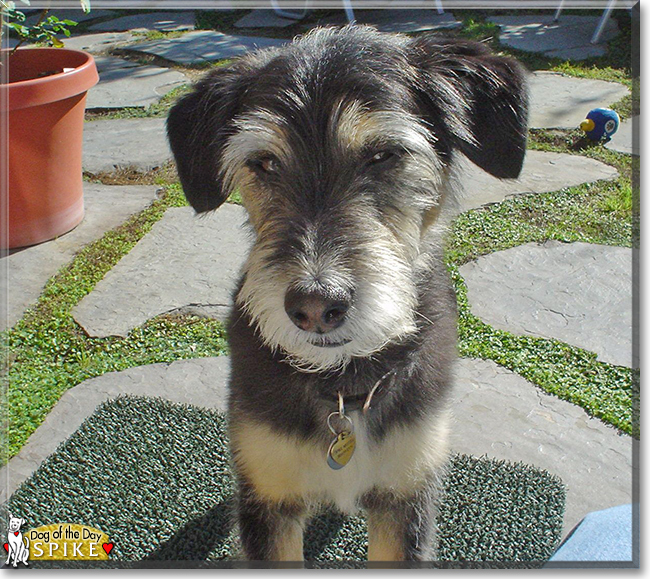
(319, 311)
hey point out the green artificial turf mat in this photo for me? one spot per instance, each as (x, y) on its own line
(155, 477)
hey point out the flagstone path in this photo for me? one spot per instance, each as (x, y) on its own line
(112, 144)
(578, 293)
(124, 83)
(568, 38)
(106, 207)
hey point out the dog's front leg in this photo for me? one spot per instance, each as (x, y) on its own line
(401, 529)
(270, 531)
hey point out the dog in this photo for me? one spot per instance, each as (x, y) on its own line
(18, 548)
(342, 145)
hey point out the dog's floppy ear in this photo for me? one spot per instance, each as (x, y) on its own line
(198, 126)
(482, 97)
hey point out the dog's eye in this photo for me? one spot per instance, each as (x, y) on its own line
(265, 165)
(384, 158)
(381, 156)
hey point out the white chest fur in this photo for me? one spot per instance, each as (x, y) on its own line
(283, 467)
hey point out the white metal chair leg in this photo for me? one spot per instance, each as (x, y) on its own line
(292, 15)
(349, 12)
(603, 21)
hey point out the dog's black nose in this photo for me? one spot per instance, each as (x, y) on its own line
(318, 311)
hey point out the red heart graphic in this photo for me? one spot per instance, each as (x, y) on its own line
(7, 547)
(108, 547)
(17, 533)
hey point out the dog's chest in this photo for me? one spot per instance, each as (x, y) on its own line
(345, 485)
(283, 467)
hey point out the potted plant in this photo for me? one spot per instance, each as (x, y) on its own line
(42, 104)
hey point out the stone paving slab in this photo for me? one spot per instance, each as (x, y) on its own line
(121, 143)
(204, 46)
(403, 20)
(593, 460)
(569, 38)
(184, 260)
(29, 269)
(201, 382)
(100, 42)
(559, 101)
(542, 172)
(627, 138)
(578, 293)
(500, 414)
(123, 83)
(163, 21)
(261, 18)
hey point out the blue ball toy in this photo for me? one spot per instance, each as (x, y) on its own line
(600, 123)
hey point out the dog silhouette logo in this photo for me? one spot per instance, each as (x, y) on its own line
(17, 546)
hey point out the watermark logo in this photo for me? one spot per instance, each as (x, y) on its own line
(57, 542)
(17, 546)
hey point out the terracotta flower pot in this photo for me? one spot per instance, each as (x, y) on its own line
(42, 109)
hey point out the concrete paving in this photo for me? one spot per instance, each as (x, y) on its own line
(542, 172)
(569, 38)
(578, 293)
(99, 43)
(627, 138)
(113, 144)
(184, 261)
(559, 101)
(123, 83)
(163, 21)
(203, 46)
(497, 413)
(29, 269)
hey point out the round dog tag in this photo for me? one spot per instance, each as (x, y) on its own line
(341, 450)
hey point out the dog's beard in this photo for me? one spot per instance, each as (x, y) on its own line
(382, 311)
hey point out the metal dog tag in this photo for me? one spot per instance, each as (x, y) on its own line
(342, 447)
(341, 450)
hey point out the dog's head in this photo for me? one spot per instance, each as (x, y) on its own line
(341, 145)
(15, 523)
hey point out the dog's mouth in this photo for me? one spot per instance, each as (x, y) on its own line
(329, 344)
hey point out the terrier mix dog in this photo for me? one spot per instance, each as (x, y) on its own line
(342, 145)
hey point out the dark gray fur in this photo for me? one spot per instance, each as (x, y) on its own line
(472, 102)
